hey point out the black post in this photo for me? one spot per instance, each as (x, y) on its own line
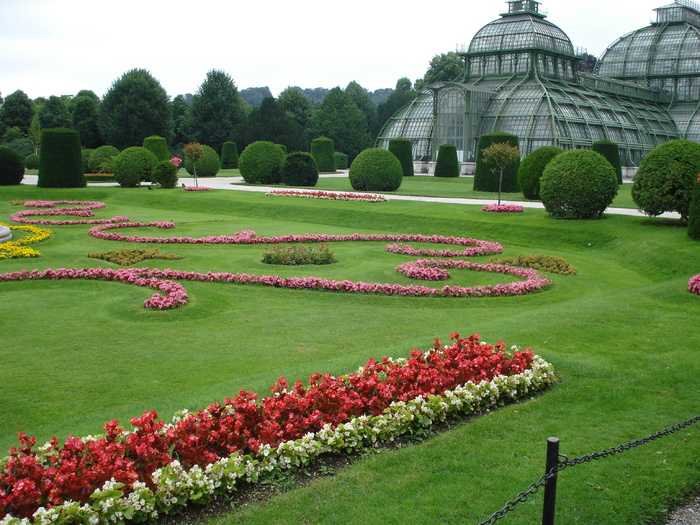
(550, 487)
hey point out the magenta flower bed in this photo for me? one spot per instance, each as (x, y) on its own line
(694, 285)
(328, 195)
(78, 208)
(503, 208)
(197, 188)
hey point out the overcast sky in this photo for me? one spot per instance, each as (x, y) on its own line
(58, 47)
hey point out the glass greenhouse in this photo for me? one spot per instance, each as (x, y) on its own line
(520, 76)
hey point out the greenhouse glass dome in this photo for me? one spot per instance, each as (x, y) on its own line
(520, 76)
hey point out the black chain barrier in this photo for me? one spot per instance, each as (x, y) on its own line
(566, 462)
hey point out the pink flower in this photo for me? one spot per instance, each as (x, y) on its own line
(176, 161)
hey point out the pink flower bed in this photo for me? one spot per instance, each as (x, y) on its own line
(78, 209)
(328, 195)
(694, 285)
(197, 188)
(503, 208)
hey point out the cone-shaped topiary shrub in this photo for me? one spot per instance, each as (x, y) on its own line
(376, 169)
(261, 163)
(322, 149)
(134, 165)
(98, 156)
(31, 161)
(341, 160)
(403, 149)
(158, 146)
(486, 176)
(531, 169)
(229, 156)
(11, 167)
(207, 166)
(694, 213)
(611, 152)
(447, 164)
(61, 159)
(665, 178)
(299, 169)
(578, 184)
(165, 174)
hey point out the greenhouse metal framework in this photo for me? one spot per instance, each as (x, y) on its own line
(520, 76)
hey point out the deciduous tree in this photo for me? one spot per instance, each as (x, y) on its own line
(216, 109)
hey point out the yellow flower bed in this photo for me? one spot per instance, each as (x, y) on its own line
(15, 249)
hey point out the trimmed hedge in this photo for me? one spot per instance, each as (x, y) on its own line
(694, 213)
(341, 160)
(376, 169)
(611, 152)
(158, 146)
(300, 169)
(531, 169)
(666, 177)
(322, 150)
(229, 156)
(447, 164)
(261, 163)
(578, 184)
(134, 165)
(403, 149)
(100, 155)
(207, 166)
(61, 159)
(165, 174)
(11, 167)
(31, 161)
(486, 176)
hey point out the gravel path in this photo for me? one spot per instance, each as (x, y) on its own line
(688, 515)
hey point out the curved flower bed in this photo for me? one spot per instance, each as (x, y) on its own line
(503, 208)
(694, 285)
(328, 195)
(481, 248)
(161, 467)
(16, 248)
(78, 208)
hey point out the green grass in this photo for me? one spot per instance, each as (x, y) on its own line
(622, 335)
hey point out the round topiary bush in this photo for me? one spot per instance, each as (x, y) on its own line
(61, 159)
(207, 166)
(665, 178)
(299, 169)
(11, 167)
(611, 152)
(578, 184)
(165, 174)
(158, 146)
(229, 156)
(486, 175)
(376, 169)
(134, 165)
(31, 161)
(403, 149)
(322, 149)
(447, 164)
(98, 156)
(531, 169)
(261, 163)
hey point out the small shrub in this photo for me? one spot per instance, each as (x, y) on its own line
(547, 263)
(298, 255)
(486, 175)
(61, 159)
(86, 160)
(98, 156)
(128, 257)
(531, 169)
(611, 152)
(158, 146)
(11, 167)
(665, 179)
(31, 161)
(22, 146)
(341, 160)
(694, 213)
(578, 184)
(134, 165)
(165, 174)
(261, 163)
(403, 149)
(376, 169)
(208, 166)
(299, 169)
(322, 149)
(229, 156)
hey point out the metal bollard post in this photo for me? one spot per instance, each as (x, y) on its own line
(550, 487)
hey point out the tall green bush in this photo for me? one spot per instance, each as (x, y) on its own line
(322, 149)
(207, 166)
(341, 160)
(165, 174)
(261, 163)
(61, 159)
(578, 184)
(611, 152)
(98, 156)
(665, 178)
(134, 165)
(229, 156)
(403, 149)
(11, 167)
(694, 212)
(531, 169)
(376, 169)
(447, 164)
(486, 176)
(31, 161)
(300, 169)
(158, 146)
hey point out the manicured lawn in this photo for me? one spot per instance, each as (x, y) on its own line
(622, 335)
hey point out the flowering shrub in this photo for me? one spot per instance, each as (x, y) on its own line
(297, 255)
(694, 285)
(547, 263)
(328, 195)
(79, 208)
(159, 467)
(16, 248)
(129, 257)
(503, 208)
(197, 188)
